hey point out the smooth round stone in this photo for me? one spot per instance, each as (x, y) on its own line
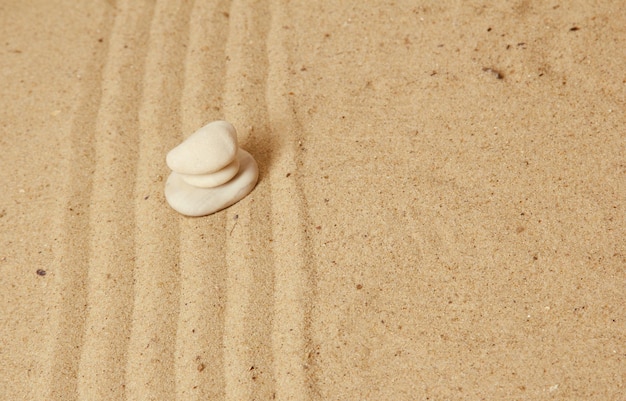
(193, 201)
(207, 150)
(213, 179)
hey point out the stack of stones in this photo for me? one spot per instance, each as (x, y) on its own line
(209, 171)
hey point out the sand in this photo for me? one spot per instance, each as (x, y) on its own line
(440, 211)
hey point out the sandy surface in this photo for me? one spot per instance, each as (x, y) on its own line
(440, 212)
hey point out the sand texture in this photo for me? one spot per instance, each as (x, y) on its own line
(439, 213)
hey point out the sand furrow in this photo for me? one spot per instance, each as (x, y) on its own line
(111, 226)
(202, 265)
(151, 349)
(72, 272)
(290, 222)
(248, 311)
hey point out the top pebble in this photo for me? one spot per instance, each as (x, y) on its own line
(207, 150)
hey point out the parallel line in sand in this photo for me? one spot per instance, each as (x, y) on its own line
(150, 371)
(295, 275)
(101, 371)
(202, 265)
(248, 315)
(71, 266)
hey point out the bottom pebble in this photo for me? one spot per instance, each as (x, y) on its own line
(193, 201)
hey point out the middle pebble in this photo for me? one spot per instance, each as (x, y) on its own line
(212, 179)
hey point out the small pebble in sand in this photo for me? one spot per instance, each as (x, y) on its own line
(210, 172)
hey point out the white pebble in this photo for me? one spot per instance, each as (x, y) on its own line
(193, 201)
(208, 150)
(213, 179)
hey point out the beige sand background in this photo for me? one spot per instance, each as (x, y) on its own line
(440, 212)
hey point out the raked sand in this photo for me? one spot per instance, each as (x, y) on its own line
(439, 213)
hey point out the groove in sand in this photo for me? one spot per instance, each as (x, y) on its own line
(202, 265)
(248, 315)
(290, 337)
(72, 265)
(151, 349)
(110, 285)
